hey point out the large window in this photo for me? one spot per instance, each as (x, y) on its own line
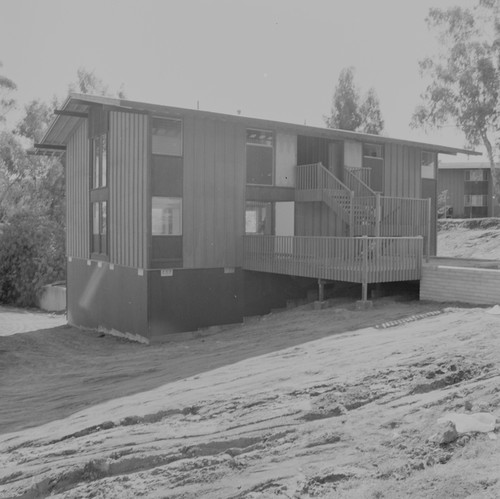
(258, 218)
(475, 200)
(373, 150)
(166, 136)
(166, 216)
(260, 157)
(475, 175)
(99, 191)
(99, 243)
(99, 161)
(428, 165)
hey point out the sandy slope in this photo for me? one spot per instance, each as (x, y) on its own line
(347, 415)
(50, 374)
(476, 238)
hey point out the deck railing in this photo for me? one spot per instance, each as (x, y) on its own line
(362, 173)
(354, 179)
(351, 259)
(316, 176)
(365, 212)
(403, 216)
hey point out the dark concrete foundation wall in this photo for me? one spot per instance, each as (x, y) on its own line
(193, 298)
(114, 299)
(264, 291)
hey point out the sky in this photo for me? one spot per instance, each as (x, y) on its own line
(271, 59)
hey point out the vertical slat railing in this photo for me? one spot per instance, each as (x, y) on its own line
(404, 217)
(356, 184)
(362, 173)
(357, 259)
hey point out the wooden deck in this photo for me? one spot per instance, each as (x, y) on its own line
(350, 259)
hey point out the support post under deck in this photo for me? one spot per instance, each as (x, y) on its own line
(321, 290)
(364, 302)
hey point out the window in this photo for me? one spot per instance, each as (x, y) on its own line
(428, 163)
(166, 216)
(475, 200)
(258, 218)
(260, 157)
(475, 175)
(99, 243)
(99, 161)
(99, 195)
(166, 136)
(373, 150)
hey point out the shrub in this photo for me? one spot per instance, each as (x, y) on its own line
(31, 256)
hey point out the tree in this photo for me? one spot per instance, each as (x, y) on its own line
(87, 82)
(464, 78)
(371, 116)
(345, 114)
(6, 101)
(348, 114)
(36, 119)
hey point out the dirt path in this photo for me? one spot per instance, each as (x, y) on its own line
(50, 374)
(347, 416)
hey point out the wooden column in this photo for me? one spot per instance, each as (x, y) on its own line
(429, 223)
(351, 215)
(365, 269)
(321, 290)
(378, 214)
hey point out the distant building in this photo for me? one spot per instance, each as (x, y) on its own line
(465, 190)
(179, 219)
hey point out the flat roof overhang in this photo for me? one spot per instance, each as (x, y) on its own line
(76, 108)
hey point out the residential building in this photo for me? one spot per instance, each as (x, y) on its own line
(179, 219)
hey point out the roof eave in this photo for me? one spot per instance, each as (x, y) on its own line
(87, 100)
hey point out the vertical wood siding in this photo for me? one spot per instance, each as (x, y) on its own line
(453, 181)
(317, 219)
(77, 194)
(128, 193)
(402, 171)
(214, 193)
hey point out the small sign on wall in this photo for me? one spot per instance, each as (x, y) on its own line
(228, 270)
(166, 272)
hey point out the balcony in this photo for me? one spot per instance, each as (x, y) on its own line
(351, 259)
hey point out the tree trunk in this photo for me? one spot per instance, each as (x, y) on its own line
(493, 170)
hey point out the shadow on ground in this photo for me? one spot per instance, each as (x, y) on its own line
(50, 374)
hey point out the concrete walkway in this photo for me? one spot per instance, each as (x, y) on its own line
(18, 320)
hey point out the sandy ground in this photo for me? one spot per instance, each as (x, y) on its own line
(50, 374)
(347, 415)
(296, 404)
(456, 239)
(15, 320)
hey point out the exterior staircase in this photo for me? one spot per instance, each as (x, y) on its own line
(355, 203)
(364, 211)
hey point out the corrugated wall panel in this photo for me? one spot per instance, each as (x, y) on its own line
(402, 171)
(317, 219)
(453, 181)
(128, 177)
(77, 188)
(214, 193)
